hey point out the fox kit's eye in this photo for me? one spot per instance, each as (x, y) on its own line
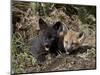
(49, 36)
(74, 44)
(66, 41)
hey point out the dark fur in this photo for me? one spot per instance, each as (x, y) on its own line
(48, 37)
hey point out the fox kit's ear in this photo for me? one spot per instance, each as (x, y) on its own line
(81, 37)
(58, 26)
(42, 24)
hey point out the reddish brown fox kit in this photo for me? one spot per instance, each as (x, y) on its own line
(72, 40)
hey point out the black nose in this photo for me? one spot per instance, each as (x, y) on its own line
(69, 50)
(46, 45)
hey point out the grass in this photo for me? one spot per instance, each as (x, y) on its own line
(21, 58)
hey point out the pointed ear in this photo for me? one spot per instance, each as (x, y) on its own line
(81, 37)
(42, 24)
(58, 26)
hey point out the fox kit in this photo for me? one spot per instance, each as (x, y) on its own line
(46, 41)
(72, 40)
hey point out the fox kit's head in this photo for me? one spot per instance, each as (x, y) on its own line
(72, 40)
(48, 34)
